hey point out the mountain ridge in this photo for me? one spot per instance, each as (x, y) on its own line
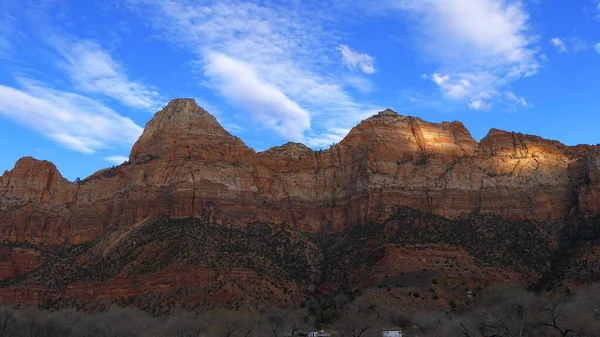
(491, 134)
(185, 164)
(405, 213)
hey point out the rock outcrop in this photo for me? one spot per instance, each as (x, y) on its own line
(186, 165)
(184, 131)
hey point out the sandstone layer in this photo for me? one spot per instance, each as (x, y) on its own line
(186, 165)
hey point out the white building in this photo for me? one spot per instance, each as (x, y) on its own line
(321, 333)
(391, 333)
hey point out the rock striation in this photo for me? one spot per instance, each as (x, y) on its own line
(186, 165)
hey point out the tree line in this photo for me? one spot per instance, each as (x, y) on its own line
(499, 312)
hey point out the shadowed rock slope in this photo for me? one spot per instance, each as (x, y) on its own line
(411, 262)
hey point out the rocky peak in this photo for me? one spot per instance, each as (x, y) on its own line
(518, 145)
(32, 179)
(184, 114)
(412, 137)
(290, 150)
(387, 113)
(183, 130)
(31, 167)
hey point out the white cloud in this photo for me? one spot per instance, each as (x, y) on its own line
(439, 80)
(575, 44)
(479, 45)
(559, 44)
(597, 47)
(239, 82)
(74, 121)
(360, 83)
(117, 160)
(483, 100)
(93, 70)
(455, 89)
(24, 24)
(514, 98)
(476, 32)
(284, 50)
(477, 104)
(354, 60)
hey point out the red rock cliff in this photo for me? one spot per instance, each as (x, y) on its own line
(185, 164)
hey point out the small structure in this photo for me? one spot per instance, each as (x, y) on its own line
(391, 333)
(321, 333)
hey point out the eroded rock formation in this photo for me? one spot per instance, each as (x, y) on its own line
(186, 165)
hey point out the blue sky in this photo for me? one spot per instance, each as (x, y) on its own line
(79, 79)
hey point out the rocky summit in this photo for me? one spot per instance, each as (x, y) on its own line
(399, 202)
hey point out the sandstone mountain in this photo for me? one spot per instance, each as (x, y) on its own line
(185, 164)
(196, 217)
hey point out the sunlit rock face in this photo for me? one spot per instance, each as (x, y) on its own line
(186, 165)
(184, 131)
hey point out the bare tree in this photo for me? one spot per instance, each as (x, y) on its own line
(358, 319)
(273, 322)
(184, 324)
(62, 323)
(553, 318)
(8, 322)
(277, 322)
(229, 323)
(355, 325)
(30, 321)
(116, 322)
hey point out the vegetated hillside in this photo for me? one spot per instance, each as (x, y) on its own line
(412, 262)
(165, 263)
(576, 260)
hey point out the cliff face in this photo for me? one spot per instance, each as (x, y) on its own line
(185, 165)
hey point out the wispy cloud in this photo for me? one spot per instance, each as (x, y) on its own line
(355, 60)
(514, 98)
(454, 88)
(478, 46)
(579, 44)
(240, 83)
(597, 47)
(559, 44)
(5, 31)
(117, 160)
(93, 70)
(360, 83)
(72, 120)
(10, 32)
(481, 101)
(283, 54)
(575, 44)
